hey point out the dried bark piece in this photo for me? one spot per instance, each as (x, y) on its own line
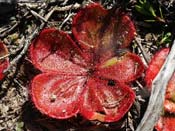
(165, 123)
(153, 69)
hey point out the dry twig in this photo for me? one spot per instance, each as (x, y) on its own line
(37, 15)
(145, 56)
(66, 8)
(3, 57)
(65, 20)
(159, 84)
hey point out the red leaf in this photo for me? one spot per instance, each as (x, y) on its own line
(57, 95)
(54, 50)
(3, 62)
(169, 106)
(123, 69)
(106, 103)
(169, 103)
(166, 123)
(155, 65)
(100, 33)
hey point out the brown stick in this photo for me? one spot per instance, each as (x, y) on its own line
(66, 8)
(145, 56)
(159, 84)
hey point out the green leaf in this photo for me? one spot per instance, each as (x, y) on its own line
(141, 10)
(152, 11)
(19, 126)
(160, 10)
(166, 38)
(144, 7)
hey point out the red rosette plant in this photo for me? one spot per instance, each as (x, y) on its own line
(3, 61)
(166, 122)
(89, 76)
